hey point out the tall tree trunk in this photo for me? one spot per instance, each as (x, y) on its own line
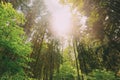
(76, 60)
(51, 67)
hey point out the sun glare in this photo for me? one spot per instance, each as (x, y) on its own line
(61, 18)
(61, 22)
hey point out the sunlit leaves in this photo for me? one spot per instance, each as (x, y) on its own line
(93, 18)
(13, 49)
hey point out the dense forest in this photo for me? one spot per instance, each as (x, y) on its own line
(59, 39)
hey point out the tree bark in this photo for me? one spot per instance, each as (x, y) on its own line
(76, 60)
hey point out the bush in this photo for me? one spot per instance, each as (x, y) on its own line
(101, 75)
(67, 72)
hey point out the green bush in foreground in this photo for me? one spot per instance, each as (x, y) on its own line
(66, 72)
(101, 75)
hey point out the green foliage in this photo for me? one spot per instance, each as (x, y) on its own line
(101, 75)
(18, 76)
(67, 68)
(14, 51)
(103, 27)
(66, 72)
(97, 48)
(47, 59)
(94, 16)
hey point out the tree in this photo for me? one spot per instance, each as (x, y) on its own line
(67, 69)
(103, 28)
(16, 3)
(14, 52)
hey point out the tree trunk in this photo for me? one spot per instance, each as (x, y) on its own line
(76, 60)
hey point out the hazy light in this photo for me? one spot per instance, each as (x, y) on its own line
(61, 18)
(61, 21)
(30, 3)
(83, 20)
